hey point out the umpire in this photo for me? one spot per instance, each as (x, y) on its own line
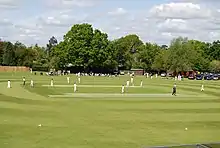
(174, 90)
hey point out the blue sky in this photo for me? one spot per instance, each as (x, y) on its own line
(159, 21)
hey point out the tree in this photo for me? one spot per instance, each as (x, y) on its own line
(9, 55)
(147, 54)
(61, 56)
(110, 61)
(2, 46)
(99, 52)
(52, 43)
(160, 61)
(164, 47)
(84, 47)
(201, 61)
(20, 54)
(127, 47)
(215, 66)
(180, 55)
(214, 51)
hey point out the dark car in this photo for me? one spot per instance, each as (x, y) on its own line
(199, 77)
(215, 77)
(206, 75)
(209, 77)
(191, 77)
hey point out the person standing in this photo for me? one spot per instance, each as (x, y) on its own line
(141, 83)
(9, 84)
(128, 83)
(24, 81)
(123, 89)
(202, 88)
(174, 90)
(68, 80)
(132, 80)
(79, 79)
(74, 87)
(32, 83)
(51, 82)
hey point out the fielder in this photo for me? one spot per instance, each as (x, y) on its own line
(147, 75)
(32, 83)
(9, 84)
(51, 83)
(141, 83)
(79, 79)
(202, 87)
(175, 78)
(123, 89)
(68, 80)
(156, 75)
(132, 80)
(74, 87)
(128, 83)
(179, 77)
(24, 81)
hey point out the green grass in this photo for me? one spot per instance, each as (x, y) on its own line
(106, 121)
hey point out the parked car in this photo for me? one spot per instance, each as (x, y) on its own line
(215, 77)
(163, 74)
(209, 77)
(199, 77)
(191, 77)
(206, 75)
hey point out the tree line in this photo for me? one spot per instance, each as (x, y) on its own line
(90, 49)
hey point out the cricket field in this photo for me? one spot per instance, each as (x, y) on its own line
(99, 116)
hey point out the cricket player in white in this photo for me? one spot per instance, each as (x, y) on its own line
(132, 80)
(68, 80)
(128, 83)
(147, 75)
(151, 77)
(141, 83)
(156, 75)
(32, 83)
(179, 77)
(74, 87)
(24, 81)
(123, 89)
(202, 87)
(175, 78)
(79, 79)
(51, 82)
(9, 84)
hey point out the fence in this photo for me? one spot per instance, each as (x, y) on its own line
(14, 69)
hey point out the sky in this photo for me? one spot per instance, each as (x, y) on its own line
(157, 21)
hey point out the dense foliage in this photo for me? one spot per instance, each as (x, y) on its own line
(90, 49)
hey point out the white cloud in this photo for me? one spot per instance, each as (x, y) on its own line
(70, 3)
(9, 4)
(5, 22)
(118, 11)
(180, 11)
(175, 25)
